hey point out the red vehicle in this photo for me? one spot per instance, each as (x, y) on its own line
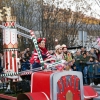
(58, 85)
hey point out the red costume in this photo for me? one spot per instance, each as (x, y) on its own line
(44, 52)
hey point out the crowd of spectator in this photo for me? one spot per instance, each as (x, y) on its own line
(81, 60)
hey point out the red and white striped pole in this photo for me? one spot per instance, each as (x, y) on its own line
(10, 46)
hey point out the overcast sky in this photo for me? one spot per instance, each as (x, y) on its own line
(88, 7)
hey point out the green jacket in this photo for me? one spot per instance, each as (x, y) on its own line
(77, 59)
(84, 61)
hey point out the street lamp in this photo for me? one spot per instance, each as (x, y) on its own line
(56, 41)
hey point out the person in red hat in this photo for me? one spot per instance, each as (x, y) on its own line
(44, 52)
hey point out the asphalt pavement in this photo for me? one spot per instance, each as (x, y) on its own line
(97, 88)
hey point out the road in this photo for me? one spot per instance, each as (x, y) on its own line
(97, 88)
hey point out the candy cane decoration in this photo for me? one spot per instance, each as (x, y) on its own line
(36, 47)
(54, 64)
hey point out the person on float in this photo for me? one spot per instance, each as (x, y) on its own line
(64, 49)
(44, 52)
(67, 55)
(58, 55)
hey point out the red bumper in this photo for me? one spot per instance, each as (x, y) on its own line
(89, 93)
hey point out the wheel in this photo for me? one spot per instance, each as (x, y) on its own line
(32, 96)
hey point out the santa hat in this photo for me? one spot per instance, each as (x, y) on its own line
(64, 46)
(41, 39)
(57, 47)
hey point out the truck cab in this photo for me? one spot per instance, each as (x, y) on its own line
(58, 85)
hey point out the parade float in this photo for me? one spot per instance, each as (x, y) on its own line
(46, 83)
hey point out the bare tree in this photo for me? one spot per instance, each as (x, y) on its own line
(54, 21)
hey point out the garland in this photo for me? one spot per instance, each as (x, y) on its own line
(13, 55)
